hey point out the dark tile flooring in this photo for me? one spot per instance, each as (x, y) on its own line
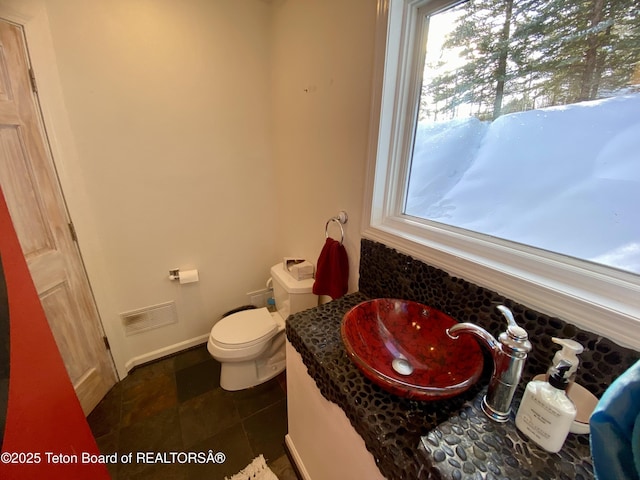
(176, 405)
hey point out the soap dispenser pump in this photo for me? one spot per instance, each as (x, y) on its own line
(546, 412)
(569, 353)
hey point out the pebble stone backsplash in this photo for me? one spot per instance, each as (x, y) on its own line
(448, 439)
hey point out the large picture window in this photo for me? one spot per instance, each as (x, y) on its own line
(508, 149)
(528, 125)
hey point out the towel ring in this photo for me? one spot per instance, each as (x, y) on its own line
(326, 229)
(340, 219)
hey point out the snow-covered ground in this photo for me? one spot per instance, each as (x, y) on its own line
(564, 179)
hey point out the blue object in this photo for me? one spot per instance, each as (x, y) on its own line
(615, 429)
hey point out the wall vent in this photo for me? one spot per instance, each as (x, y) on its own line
(148, 318)
(259, 297)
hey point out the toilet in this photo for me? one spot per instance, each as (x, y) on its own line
(250, 344)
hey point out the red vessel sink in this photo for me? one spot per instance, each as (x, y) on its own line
(403, 347)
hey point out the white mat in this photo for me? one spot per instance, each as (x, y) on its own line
(256, 470)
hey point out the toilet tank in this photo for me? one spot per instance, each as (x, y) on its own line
(291, 295)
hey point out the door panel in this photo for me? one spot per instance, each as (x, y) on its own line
(34, 233)
(38, 211)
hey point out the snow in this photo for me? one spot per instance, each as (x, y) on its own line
(564, 179)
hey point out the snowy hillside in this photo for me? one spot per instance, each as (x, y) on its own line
(564, 179)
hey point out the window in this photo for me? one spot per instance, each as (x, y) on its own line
(528, 126)
(502, 157)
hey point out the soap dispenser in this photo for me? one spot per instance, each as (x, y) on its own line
(546, 412)
(569, 352)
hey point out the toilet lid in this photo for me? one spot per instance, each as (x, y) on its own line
(244, 328)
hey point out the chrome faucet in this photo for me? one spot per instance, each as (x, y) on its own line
(509, 355)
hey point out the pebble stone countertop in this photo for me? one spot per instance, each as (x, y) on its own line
(446, 439)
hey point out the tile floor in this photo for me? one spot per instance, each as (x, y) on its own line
(176, 405)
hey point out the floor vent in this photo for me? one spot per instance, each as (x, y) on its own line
(148, 318)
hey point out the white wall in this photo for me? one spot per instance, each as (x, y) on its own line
(322, 78)
(173, 123)
(169, 107)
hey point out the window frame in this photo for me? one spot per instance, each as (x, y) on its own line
(593, 297)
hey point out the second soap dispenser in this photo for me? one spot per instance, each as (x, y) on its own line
(546, 412)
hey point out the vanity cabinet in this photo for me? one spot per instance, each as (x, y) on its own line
(321, 439)
(341, 425)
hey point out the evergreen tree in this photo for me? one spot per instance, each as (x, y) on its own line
(578, 47)
(527, 54)
(485, 51)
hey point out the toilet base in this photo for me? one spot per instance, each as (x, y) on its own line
(236, 376)
(242, 375)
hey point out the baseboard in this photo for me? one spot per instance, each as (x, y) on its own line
(165, 351)
(297, 461)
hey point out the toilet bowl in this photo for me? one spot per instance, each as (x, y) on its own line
(250, 344)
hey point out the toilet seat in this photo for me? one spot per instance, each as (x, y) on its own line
(244, 329)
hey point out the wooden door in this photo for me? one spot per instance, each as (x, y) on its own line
(31, 189)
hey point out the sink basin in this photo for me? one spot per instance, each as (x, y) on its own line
(403, 347)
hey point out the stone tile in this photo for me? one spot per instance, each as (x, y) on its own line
(105, 417)
(266, 430)
(158, 433)
(144, 372)
(206, 415)
(234, 444)
(197, 379)
(191, 357)
(283, 469)
(251, 400)
(148, 396)
(108, 444)
(176, 404)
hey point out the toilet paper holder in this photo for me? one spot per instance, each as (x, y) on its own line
(187, 276)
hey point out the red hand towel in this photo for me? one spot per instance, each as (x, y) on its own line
(332, 272)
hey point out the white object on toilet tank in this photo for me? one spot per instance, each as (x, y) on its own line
(291, 295)
(299, 268)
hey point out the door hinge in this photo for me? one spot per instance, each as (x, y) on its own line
(72, 231)
(106, 343)
(32, 77)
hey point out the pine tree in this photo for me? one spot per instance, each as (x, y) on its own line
(485, 71)
(533, 53)
(578, 47)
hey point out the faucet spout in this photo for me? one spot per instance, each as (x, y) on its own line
(509, 353)
(480, 333)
